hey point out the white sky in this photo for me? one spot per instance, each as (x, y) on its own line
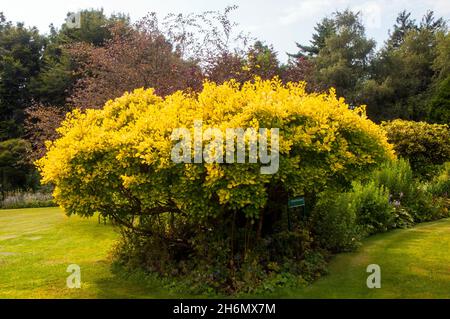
(280, 23)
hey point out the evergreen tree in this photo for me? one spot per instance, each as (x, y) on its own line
(404, 24)
(343, 62)
(54, 83)
(323, 30)
(401, 80)
(20, 60)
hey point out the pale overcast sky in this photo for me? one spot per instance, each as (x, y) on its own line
(277, 22)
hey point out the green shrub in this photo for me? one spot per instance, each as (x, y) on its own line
(410, 197)
(333, 222)
(440, 102)
(402, 217)
(313, 265)
(425, 207)
(424, 145)
(397, 177)
(372, 207)
(440, 185)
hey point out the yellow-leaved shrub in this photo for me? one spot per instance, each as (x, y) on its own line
(215, 217)
(118, 159)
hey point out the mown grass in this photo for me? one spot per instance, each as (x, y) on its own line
(37, 245)
(415, 263)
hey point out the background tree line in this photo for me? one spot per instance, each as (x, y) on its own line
(43, 76)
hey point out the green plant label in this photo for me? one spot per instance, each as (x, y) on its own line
(296, 202)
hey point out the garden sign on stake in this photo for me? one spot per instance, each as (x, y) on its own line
(293, 203)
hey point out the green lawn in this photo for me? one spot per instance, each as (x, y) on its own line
(415, 263)
(37, 245)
